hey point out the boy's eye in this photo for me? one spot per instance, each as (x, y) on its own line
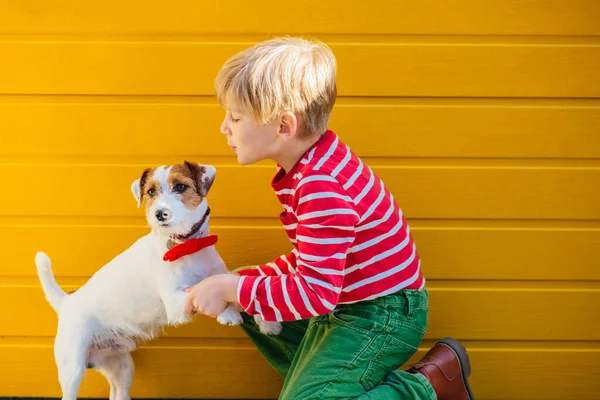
(151, 192)
(234, 119)
(180, 188)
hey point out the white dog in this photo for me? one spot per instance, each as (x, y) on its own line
(137, 293)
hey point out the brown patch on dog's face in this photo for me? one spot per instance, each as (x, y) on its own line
(186, 182)
(151, 191)
(145, 184)
(144, 178)
(202, 176)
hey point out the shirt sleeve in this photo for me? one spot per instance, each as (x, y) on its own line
(284, 264)
(325, 232)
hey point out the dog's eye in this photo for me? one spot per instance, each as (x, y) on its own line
(180, 188)
(151, 192)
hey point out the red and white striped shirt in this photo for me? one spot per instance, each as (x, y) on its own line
(351, 241)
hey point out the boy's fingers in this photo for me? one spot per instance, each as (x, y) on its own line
(187, 289)
(213, 313)
(189, 309)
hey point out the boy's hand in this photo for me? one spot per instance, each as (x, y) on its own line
(212, 295)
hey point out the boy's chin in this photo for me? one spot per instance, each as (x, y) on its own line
(245, 160)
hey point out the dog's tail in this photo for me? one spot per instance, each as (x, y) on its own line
(54, 294)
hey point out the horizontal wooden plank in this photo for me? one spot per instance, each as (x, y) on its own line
(412, 69)
(503, 312)
(488, 192)
(537, 17)
(511, 254)
(436, 129)
(237, 371)
(161, 372)
(448, 252)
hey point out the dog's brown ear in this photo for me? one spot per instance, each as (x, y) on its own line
(137, 187)
(203, 175)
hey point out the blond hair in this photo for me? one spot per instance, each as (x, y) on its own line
(280, 75)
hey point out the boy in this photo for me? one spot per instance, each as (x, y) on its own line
(350, 295)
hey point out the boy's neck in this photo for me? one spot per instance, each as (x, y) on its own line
(294, 150)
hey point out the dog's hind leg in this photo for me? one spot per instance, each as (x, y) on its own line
(118, 369)
(70, 352)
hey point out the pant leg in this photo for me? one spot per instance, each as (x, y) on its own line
(401, 385)
(346, 354)
(278, 350)
(408, 315)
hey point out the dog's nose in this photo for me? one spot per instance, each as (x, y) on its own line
(162, 215)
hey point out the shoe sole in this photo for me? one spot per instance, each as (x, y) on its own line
(463, 360)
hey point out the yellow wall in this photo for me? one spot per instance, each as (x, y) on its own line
(482, 116)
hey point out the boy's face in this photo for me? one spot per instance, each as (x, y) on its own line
(251, 141)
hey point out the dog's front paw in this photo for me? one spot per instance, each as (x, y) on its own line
(179, 319)
(230, 317)
(268, 328)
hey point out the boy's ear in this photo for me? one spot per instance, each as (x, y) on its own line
(137, 187)
(203, 175)
(288, 124)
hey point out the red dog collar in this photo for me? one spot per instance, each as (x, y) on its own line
(190, 246)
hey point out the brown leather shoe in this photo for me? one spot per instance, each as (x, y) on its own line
(447, 367)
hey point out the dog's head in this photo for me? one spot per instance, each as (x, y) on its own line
(174, 196)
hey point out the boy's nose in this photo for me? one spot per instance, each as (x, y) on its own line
(224, 127)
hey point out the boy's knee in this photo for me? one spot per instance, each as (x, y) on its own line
(302, 396)
(319, 391)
